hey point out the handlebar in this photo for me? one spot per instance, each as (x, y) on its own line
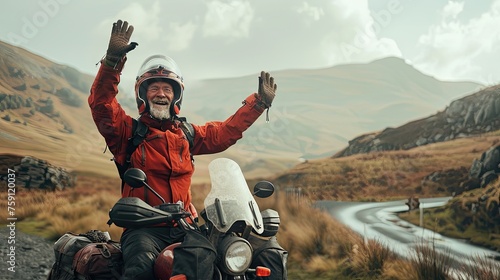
(132, 212)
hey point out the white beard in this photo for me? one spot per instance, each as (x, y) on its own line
(160, 112)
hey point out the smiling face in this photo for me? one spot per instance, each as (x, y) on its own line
(160, 95)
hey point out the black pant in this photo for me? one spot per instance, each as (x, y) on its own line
(140, 247)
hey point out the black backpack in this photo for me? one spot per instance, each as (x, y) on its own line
(140, 130)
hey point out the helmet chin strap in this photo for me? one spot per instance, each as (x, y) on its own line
(174, 110)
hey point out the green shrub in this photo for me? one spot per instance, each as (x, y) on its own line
(68, 97)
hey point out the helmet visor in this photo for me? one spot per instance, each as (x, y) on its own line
(160, 61)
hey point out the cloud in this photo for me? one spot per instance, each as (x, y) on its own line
(356, 37)
(146, 19)
(313, 13)
(231, 19)
(452, 9)
(180, 35)
(452, 48)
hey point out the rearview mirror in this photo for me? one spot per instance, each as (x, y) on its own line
(135, 177)
(263, 189)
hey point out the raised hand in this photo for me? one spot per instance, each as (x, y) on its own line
(119, 43)
(267, 89)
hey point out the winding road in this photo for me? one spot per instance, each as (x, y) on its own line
(378, 221)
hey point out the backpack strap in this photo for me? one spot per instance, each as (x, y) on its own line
(140, 130)
(188, 130)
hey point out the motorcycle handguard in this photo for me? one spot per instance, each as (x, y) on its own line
(132, 212)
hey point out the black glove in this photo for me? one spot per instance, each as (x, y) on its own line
(267, 89)
(118, 43)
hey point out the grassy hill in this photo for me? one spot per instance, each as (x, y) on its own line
(56, 126)
(380, 175)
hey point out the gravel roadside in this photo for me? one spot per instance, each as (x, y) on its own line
(33, 255)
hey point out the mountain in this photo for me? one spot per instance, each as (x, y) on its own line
(44, 112)
(315, 112)
(472, 115)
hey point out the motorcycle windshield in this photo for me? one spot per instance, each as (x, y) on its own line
(230, 200)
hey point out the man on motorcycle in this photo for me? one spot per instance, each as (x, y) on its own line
(165, 154)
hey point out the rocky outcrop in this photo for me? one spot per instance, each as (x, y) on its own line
(33, 173)
(447, 182)
(480, 209)
(483, 172)
(472, 115)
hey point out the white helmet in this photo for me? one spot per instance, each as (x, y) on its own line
(159, 68)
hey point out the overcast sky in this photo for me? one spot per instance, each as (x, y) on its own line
(450, 40)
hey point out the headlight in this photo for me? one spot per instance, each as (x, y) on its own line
(236, 255)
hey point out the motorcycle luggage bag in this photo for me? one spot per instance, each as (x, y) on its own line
(271, 255)
(99, 261)
(195, 257)
(65, 249)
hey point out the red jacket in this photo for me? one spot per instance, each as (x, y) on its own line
(164, 155)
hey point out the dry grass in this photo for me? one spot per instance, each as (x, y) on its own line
(483, 268)
(383, 175)
(399, 268)
(51, 214)
(369, 260)
(428, 263)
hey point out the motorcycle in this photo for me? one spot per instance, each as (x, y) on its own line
(231, 214)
